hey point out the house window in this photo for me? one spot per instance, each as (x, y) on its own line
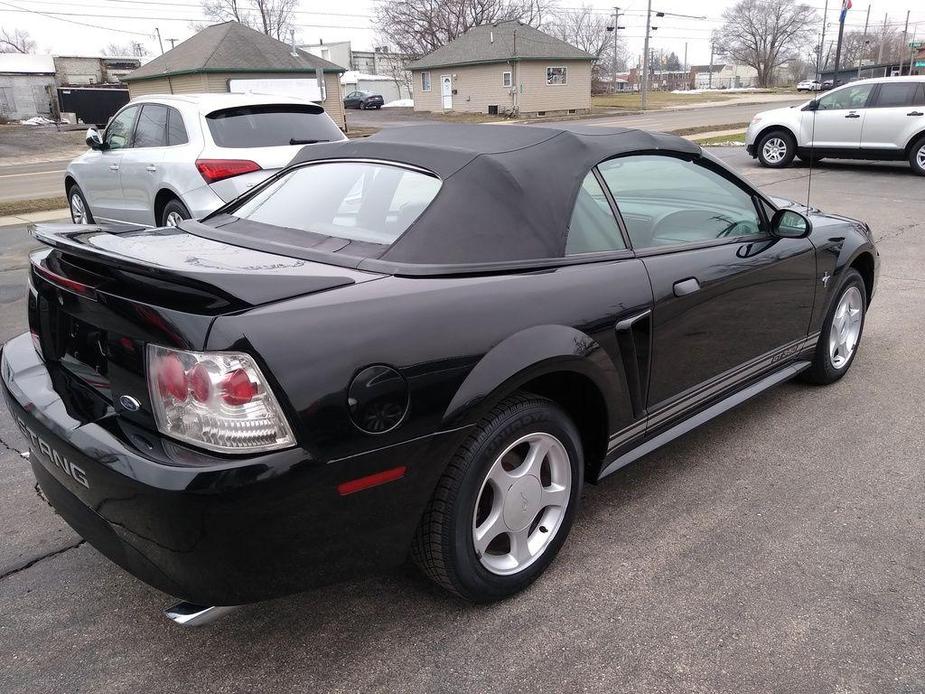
(506, 79)
(425, 81)
(556, 75)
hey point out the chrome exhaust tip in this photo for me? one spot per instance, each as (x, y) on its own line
(188, 614)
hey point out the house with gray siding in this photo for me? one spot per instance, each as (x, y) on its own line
(504, 68)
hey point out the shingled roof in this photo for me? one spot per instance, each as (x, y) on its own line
(500, 43)
(230, 47)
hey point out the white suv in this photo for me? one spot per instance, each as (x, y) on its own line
(881, 119)
(168, 157)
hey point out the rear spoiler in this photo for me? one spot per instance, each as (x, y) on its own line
(169, 257)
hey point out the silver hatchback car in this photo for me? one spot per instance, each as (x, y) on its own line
(165, 158)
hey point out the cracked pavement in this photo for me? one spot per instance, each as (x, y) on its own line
(778, 548)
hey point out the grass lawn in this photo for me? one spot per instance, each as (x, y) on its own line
(738, 138)
(630, 100)
(13, 207)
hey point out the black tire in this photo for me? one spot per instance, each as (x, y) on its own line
(823, 371)
(73, 191)
(444, 547)
(786, 142)
(173, 207)
(915, 160)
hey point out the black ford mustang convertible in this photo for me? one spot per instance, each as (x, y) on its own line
(420, 344)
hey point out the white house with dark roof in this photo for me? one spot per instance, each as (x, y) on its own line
(508, 67)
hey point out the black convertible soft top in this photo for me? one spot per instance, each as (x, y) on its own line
(506, 200)
(508, 190)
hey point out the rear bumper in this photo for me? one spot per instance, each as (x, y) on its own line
(215, 531)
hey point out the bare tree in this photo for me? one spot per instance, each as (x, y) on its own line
(765, 34)
(132, 48)
(417, 27)
(586, 29)
(272, 17)
(16, 41)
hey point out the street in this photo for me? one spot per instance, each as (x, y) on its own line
(29, 181)
(778, 548)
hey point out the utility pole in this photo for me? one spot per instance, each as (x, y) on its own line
(161, 43)
(613, 63)
(902, 53)
(710, 68)
(882, 39)
(825, 17)
(863, 41)
(685, 56)
(645, 58)
(173, 43)
(841, 32)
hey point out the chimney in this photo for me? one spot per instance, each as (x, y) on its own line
(491, 37)
(293, 53)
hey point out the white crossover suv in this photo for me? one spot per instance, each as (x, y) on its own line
(164, 158)
(880, 119)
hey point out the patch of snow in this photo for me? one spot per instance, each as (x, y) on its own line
(400, 103)
(41, 120)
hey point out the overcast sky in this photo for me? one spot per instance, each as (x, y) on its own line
(85, 27)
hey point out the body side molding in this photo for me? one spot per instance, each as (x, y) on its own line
(702, 417)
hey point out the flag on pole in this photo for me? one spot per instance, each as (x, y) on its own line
(845, 6)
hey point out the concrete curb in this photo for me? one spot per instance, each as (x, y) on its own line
(46, 216)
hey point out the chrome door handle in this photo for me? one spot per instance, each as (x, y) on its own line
(151, 167)
(915, 113)
(853, 115)
(685, 287)
(113, 167)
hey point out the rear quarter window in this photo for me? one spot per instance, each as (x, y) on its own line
(271, 126)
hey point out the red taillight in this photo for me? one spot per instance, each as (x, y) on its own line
(200, 383)
(217, 400)
(213, 170)
(237, 388)
(171, 377)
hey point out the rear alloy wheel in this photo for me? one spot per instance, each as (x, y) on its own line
(173, 213)
(841, 332)
(917, 157)
(776, 149)
(506, 502)
(80, 211)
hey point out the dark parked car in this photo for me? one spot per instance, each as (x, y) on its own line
(363, 100)
(421, 343)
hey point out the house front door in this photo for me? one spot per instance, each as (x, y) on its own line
(446, 89)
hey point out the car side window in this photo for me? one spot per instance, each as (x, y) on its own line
(852, 97)
(920, 95)
(176, 131)
(897, 94)
(667, 201)
(151, 130)
(119, 131)
(592, 228)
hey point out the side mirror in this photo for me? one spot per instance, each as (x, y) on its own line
(94, 141)
(811, 106)
(787, 224)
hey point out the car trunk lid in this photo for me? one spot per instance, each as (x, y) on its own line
(99, 295)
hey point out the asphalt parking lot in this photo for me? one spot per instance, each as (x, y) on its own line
(779, 548)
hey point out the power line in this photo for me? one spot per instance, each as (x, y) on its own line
(70, 21)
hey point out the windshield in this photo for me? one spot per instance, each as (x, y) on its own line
(357, 201)
(272, 125)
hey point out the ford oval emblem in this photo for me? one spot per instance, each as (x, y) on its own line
(129, 403)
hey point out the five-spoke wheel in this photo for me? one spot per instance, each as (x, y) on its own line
(521, 503)
(506, 502)
(841, 331)
(776, 149)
